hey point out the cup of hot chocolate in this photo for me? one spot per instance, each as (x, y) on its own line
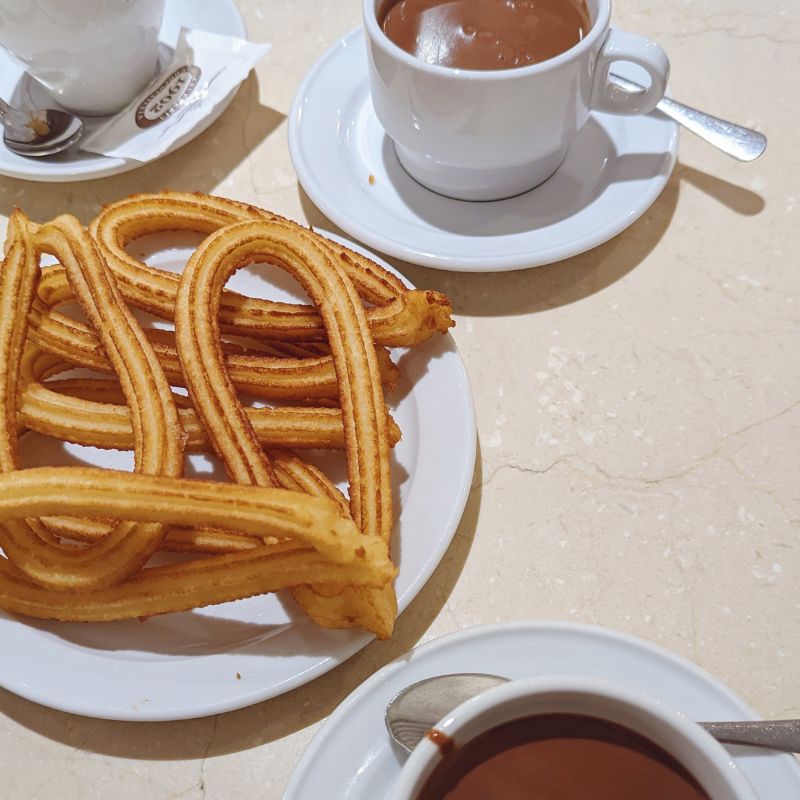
(483, 97)
(569, 737)
(92, 56)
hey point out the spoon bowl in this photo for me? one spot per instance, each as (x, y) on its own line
(41, 132)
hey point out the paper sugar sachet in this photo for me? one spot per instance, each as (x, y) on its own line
(205, 69)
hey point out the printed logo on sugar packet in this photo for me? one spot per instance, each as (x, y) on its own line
(168, 97)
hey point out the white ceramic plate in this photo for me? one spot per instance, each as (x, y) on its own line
(180, 666)
(216, 16)
(351, 758)
(614, 170)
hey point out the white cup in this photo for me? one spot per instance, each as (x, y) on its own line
(695, 749)
(489, 134)
(93, 56)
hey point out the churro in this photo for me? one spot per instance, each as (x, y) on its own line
(321, 542)
(281, 371)
(158, 437)
(76, 542)
(361, 398)
(92, 412)
(398, 317)
(291, 472)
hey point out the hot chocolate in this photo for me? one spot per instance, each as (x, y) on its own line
(485, 34)
(557, 756)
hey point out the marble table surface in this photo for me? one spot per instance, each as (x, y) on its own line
(638, 411)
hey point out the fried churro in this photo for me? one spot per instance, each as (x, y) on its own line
(92, 412)
(77, 541)
(320, 541)
(282, 371)
(399, 317)
(361, 398)
(158, 437)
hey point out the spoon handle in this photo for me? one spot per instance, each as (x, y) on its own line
(778, 734)
(742, 143)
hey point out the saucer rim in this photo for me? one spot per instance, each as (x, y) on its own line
(326, 203)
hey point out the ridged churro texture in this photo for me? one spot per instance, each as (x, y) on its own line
(77, 541)
(361, 395)
(399, 317)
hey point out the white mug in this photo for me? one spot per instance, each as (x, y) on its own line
(489, 134)
(705, 759)
(93, 56)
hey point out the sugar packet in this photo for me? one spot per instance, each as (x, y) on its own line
(206, 68)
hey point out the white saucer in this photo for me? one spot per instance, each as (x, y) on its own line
(16, 86)
(614, 170)
(351, 757)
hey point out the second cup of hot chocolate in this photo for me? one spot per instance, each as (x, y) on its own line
(482, 99)
(568, 736)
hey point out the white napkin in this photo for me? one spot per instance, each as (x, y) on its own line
(205, 69)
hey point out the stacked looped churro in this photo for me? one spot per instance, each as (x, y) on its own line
(77, 541)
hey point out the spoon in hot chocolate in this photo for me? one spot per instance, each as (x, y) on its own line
(417, 708)
(743, 144)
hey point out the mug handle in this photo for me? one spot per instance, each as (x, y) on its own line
(621, 46)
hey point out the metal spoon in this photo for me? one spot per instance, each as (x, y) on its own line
(42, 132)
(416, 709)
(742, 143)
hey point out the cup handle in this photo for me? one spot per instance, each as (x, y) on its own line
(621, 46)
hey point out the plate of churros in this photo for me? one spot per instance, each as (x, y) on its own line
(232, 450)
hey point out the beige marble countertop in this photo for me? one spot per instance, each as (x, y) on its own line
(638, 410)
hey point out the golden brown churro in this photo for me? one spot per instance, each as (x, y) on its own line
(18, 279)
(76, 541)
(89, 412)
(363, 408)
(291, 473)
(106, 493)
(398, 318)
(158, 437)
(285, 371)
(322, 541)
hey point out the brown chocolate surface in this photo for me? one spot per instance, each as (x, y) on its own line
(485, 34)
(441, 740)
(561, 757)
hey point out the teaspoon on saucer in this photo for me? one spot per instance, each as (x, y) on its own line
(744, 144)
(418, 707)
(41, 132)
